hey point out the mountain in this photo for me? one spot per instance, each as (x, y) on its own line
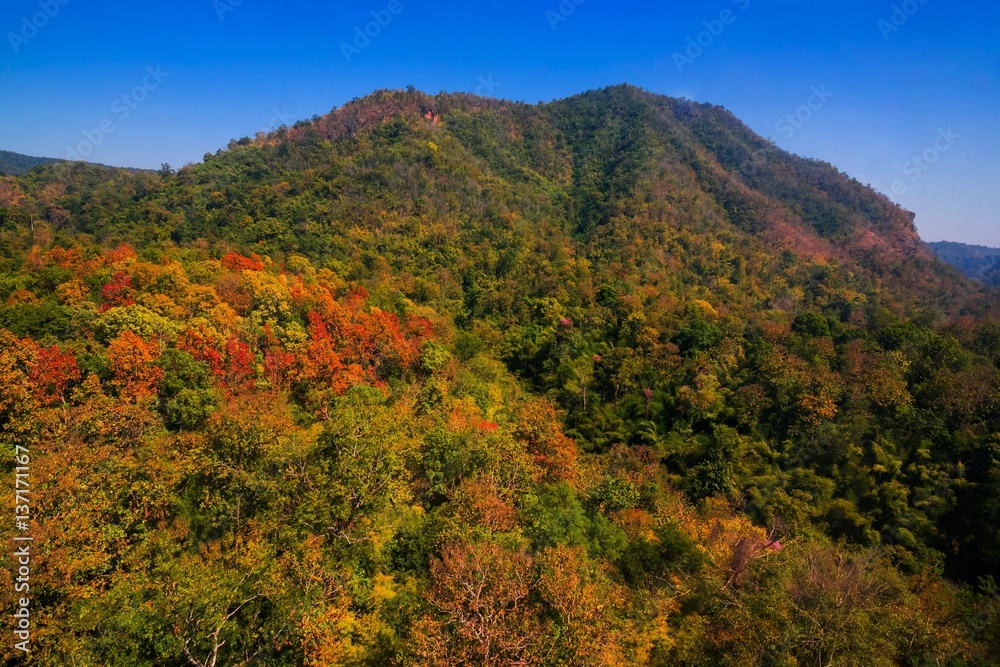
(579, 169)
(977, 262)
(447, 380)
(15, 164)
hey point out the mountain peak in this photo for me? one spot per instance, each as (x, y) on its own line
(634, 133)
(607, 161)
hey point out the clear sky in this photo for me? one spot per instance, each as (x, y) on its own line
(143, 83)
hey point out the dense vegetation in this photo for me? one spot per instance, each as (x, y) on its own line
(977, 262)
(15, 164)
(453, 381)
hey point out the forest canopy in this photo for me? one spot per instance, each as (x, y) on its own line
(452, 381)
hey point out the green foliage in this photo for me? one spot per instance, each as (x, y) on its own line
(556, 516)
(360, 465)
(616, 493)
(137, 319)
(187, 397)
(16, 164)
(190, 408)
(811, 324)
(697, 336)
(606, 381)
(37, 320)
(433, 357)
(671, 552)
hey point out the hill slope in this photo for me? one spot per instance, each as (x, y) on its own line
(441, 380)
(977, 262)
(15, 164)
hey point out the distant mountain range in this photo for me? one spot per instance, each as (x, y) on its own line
(979, 262)
(15, 164)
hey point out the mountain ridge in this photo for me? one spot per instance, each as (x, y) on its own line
(379, 107)
(975, 261)
(746, 175)
(16, 164)
(802, 205)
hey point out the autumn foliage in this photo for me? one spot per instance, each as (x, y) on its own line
(607, 381)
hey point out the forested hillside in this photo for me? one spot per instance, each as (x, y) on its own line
(15, 164)
(445, 380)
(977, 262)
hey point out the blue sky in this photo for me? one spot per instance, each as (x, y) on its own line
(909, 105)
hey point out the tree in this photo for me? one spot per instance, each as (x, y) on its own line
(585, 603)
(481, 593)
(363, 451)
(133, 361)
(52, 374)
